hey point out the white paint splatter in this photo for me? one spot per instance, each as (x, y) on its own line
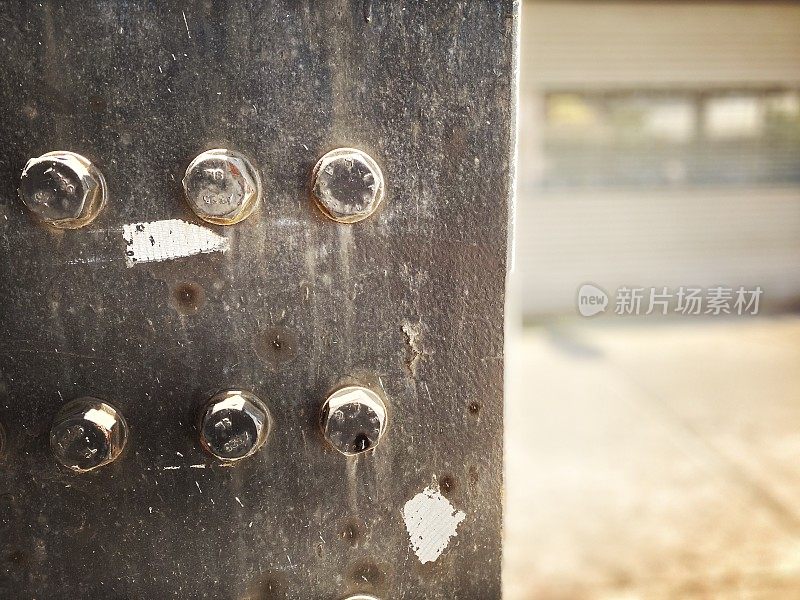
(165, 240)
(430, 521)
(90, 260)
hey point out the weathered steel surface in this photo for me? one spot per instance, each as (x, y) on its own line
(409, 301)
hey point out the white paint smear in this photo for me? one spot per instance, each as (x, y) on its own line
(165, 240)
(431, 521)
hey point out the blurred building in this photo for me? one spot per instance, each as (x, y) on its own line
(659, 146)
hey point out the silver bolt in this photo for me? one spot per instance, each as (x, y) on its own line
(353, 419)
(361, 597)
(222, 186)
(347, 185)
(63, 189)
(234, 425)
(88, 433)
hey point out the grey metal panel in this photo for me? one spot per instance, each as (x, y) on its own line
(409, 301)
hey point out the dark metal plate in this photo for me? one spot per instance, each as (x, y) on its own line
(409, 301)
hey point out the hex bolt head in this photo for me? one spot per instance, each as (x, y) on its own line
(347, 185)
(88, 433)
(361, 597)
(234, 425)
(222, 186)
(353, 419)
(63, 189)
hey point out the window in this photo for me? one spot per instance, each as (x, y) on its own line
(671, 138)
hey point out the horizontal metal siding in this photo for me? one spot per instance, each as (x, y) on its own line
(708, 238)
(648, 237)
(587, 43)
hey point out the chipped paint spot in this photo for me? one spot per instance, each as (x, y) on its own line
(165, 240)
(430, 521)
(413, 333)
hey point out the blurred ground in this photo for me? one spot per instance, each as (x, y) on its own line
(654, 460)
